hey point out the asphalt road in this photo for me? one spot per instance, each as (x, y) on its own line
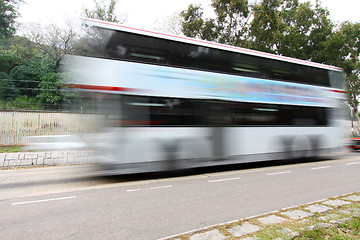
(74, 203)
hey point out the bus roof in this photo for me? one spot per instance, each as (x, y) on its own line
(199, 42)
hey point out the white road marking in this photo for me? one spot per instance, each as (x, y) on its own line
(278, 173)
(225, 179)
(44, 200)
(317, 168)
(352, 163)
(152, 188)
(133, 190)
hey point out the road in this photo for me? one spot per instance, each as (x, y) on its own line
(73, 203)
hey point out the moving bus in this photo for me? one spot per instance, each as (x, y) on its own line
(172, 102)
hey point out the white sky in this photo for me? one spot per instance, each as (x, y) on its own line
(144, 13)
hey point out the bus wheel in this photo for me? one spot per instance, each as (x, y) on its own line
(300, 147)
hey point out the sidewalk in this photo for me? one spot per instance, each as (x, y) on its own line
(286, 223)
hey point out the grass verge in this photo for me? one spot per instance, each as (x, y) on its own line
(10, 149)
(340, 223)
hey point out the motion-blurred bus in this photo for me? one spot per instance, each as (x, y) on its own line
(173, 102)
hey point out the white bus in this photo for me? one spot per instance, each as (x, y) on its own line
(172, 102)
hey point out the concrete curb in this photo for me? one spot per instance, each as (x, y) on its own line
(50, 158)
(247, 228)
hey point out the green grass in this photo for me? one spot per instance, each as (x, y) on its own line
(10, 149)
(346, 228)
(346, 231)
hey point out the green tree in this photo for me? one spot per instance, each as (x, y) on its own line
(230, 25)
(8, 90)
(353, 87)
(266, 25)
(8, 60)
(345, 44)
(291, 28)
(232, 21)
(192, 24)
(8, 14)
(50, 90)
(343, 49)
(27, 76)
(16, 50)
(104, 10)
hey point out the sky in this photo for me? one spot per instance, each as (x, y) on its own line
(144, 13)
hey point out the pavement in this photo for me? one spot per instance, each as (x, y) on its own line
(284, 223)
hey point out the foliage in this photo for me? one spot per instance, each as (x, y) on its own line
(343, 49)
(291, 28)
(50, 89)
(22, 102)
(52, 94)
(353, 85)
(192, 25)
(8, 14)
(8, 90)
(230, 26)
(232, 20)
(103, 11)
(17, 50)
(27, 76)
(8, 60)
(265, 25)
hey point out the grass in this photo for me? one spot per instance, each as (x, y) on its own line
(10, 149)
(313, 228)
(348, 230)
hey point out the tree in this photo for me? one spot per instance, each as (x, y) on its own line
(56, 42)
(8, 90)
(230, 25)
(104, 10)
(232, 21)
(192, 24)
(343, 49)
(52, 93)
(353, 87)
(265, 26)
(8, 14)
(50, 90)
(16, 50)
(170, 24)
(291, 28)
(27, 76)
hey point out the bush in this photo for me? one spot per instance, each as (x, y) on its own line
(8, 90)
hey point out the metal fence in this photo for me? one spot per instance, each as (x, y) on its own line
(15, 125)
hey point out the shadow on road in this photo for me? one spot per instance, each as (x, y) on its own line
(207, 170)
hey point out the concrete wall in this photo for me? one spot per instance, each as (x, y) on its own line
(14, 125)
(36, 159)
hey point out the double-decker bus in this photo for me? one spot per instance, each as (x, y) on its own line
(172, 102)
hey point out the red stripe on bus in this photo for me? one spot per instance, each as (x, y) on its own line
(221, 45)
(102, 88)
(338, 91)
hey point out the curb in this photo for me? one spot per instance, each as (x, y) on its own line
(40, 159)
(319, 214)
